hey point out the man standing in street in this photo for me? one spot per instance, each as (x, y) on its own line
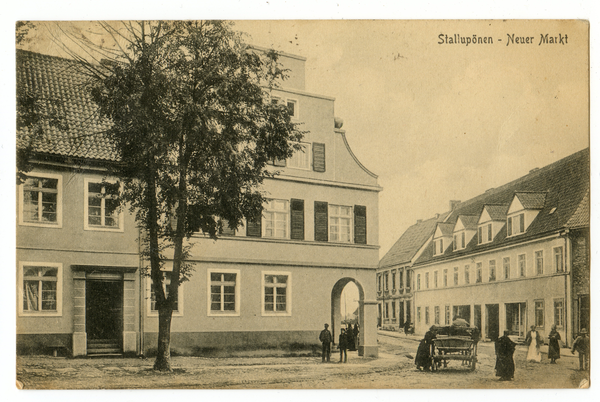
(343, 345)
(582, 346)
(326, 339)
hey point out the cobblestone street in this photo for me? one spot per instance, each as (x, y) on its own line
(393, 370)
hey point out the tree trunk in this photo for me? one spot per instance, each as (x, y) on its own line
(163, 355)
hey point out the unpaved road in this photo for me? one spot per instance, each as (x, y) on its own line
(394, 369)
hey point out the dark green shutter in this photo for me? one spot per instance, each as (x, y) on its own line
(321, 221)
(297, 219)
(253, 229)
(360, 224)
(226, 230)
(318, 157)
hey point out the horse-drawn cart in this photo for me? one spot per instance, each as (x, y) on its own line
(453, 343)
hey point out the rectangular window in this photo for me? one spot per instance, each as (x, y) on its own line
(102, 206)
(426, 280)
(559, 312)
(418, 281)
(455, 276)
(393, 310)
(478, 272)
(454, 244)
(276, 215)
(340, 223)
(318, 151)
(292, 106)
(177, 305)
(539, 262)
(386, 310)
(223, 292)
(441, 246)
(445, 281)
(435, 279)
(506, 267)
(462, 240)
(509, 224)
(394, 280)
(480, 235)
(419, 315)
(379, 282)
(386, 281)
(447, 315)
(401, 277)
(467, 276)
(40, 288)
(427, 315)
(301, 157)
(276, 293)
(489, 232)
(40, 200)
(539, 313)
(436, 317)
(492, 266)
(516, 224)
(522, 264)
(559, 264)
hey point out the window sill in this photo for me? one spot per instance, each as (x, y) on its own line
(103, 229)
(41, 225)
(40, 314)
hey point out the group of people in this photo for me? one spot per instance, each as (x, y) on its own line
(505, 348)
(348, 340)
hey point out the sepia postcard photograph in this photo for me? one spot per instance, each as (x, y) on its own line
(302, 204)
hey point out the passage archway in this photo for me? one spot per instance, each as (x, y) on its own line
(367, 317)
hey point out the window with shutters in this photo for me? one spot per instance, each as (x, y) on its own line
(340, 223)
(40, 288)
(277, 293)
(40, 200)
(301, 157)
(223, 292)
(515, 224)
(484, 233)
(276, 219)
(318, 154)
(101, 206)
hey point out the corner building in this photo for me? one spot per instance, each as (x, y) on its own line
(269, 283)
(515, 256)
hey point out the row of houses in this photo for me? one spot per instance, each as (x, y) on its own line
(517, 255)
(276, 282)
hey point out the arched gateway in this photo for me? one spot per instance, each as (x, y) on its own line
(367, 317)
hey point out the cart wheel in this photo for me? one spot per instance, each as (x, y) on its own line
(473, 363)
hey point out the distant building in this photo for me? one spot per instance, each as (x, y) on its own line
(270, 283)
(517, 255)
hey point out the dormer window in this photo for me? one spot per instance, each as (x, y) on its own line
(515, 224)
(464, 230)
(484, 233)
(438, 247)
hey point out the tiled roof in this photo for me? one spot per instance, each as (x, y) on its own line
(497, 212)
(59, 84)
(469, 221)
(410, 242)
(532, 200)
(447, 228)
(565, 185)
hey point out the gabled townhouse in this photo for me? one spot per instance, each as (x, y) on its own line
(394, 274)
(269, 283)
(515, 256)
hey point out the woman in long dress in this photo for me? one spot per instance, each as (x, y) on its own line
(423, 358)
(533, 340)
(553, 345)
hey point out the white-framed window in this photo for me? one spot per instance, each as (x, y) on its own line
(386, 281)
(515, 224)
(445, 278)
(492, 267)
(276, 293)
(101, 206)
(167, 277)
(427, 315)
(435, 279)
(438, 247)
(436, 315)
(539, 262)
(292, 105)
(506, 267)
(40, 289)
(40, 200)
(559, 312)
(539, 312)
(276, 217)
(484, 233)
(478, 272)
(559, 262)
(223, 292)
(418, 281)
(455, 276)
(394, 279)
(301, 158)
(522, 261)
(426, 280)
(340, 223)
(467, 276)
(419, 315)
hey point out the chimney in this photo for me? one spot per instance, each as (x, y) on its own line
(419, 221)
(454, 204)
(437, 216)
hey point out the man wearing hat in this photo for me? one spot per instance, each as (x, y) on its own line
(326, 339)
(582, 345)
